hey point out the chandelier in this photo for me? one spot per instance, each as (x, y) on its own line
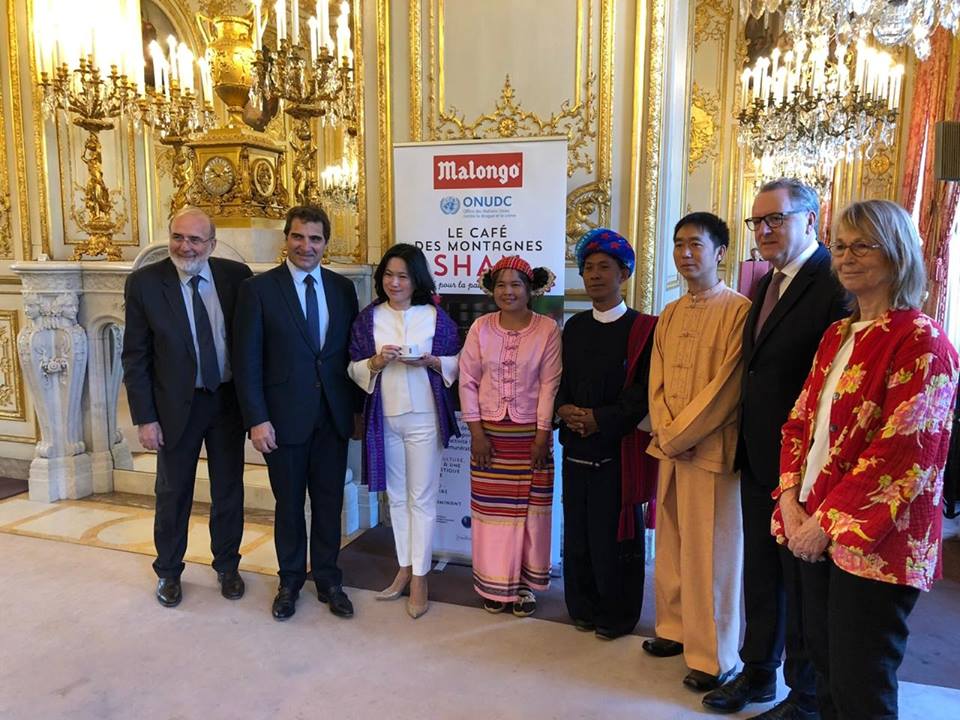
(805, 109)
(340, 183)
(314, 79)
(889, 22)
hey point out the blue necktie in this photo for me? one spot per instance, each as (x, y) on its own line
(209, 366)
(313, 312)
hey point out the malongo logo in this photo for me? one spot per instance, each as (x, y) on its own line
(489, 170)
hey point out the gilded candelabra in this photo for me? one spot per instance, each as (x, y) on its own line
(92, 102)
(311, 88)
(177, 117)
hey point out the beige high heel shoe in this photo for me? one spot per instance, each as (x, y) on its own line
(413, 610)
(395, 590)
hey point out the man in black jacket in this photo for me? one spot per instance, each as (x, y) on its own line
(795, 303)
(177, 371)
(292, 329)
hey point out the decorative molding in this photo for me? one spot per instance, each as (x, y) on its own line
(12, 401)
(509, 119)
(651, 163)
(585, 206)
(711, 21)
(361, 248)
(416, 77)
(385, 146)
(704, 127)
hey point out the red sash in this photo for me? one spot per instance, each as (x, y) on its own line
(638, 469)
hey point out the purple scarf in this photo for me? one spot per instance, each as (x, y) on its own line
(362, 346)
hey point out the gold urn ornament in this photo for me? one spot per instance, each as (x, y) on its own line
(229, 38)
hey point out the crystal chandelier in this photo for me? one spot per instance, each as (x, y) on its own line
(889, 22)
(805, 109)
(340, 184)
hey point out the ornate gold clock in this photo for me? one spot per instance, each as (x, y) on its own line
(218, 175)
(264, 177)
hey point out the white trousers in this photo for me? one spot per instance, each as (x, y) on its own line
(412, 449)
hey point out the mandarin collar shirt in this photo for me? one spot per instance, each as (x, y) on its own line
(611, 315)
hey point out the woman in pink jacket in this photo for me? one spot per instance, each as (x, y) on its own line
(509, 375)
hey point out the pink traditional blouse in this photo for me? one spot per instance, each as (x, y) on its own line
(510, 373)
(878, 495)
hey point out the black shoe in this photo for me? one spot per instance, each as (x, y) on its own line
(231, 584)
(584, 625)
(337, 599)
(661, 647)
(285, 603)
(605, 633)
(788, 710)
(702, 682)
(169, 593)
(744, 689)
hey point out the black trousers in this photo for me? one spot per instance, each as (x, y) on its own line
(602, 578)
(856, 631)
(216, 422)
(772, 599)
(317, 466)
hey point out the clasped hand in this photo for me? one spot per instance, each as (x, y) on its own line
(579, 420)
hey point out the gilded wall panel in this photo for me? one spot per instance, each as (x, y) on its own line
(711, 143)
(510, 69)
(12, 403)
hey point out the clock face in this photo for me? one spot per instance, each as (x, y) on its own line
(218, 175)
(264, 177)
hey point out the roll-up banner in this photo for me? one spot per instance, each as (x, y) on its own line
(467, 204)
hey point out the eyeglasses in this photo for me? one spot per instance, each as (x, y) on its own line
(191, 240)
(859, 249)
(773, 220)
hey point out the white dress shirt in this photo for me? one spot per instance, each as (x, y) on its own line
(301, 287)
(405, 389)
(211, 301)
(791, 269)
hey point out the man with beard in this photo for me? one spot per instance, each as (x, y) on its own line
(293, 330)
(177, 371)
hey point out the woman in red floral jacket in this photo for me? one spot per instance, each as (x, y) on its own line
(862, 465)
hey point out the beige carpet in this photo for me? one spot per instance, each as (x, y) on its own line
(84, 639)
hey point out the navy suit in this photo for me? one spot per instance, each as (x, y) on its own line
(159, 371)
(775, 367)
(304, 391)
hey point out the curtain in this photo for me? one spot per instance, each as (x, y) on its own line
(938, 200)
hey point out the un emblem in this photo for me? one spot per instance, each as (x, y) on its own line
(449, 205)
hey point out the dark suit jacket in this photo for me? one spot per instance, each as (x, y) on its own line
(159, 358)
(280, 376)
(776, 365)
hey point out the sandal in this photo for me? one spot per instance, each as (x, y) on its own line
(494, 606)
(525, 604)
